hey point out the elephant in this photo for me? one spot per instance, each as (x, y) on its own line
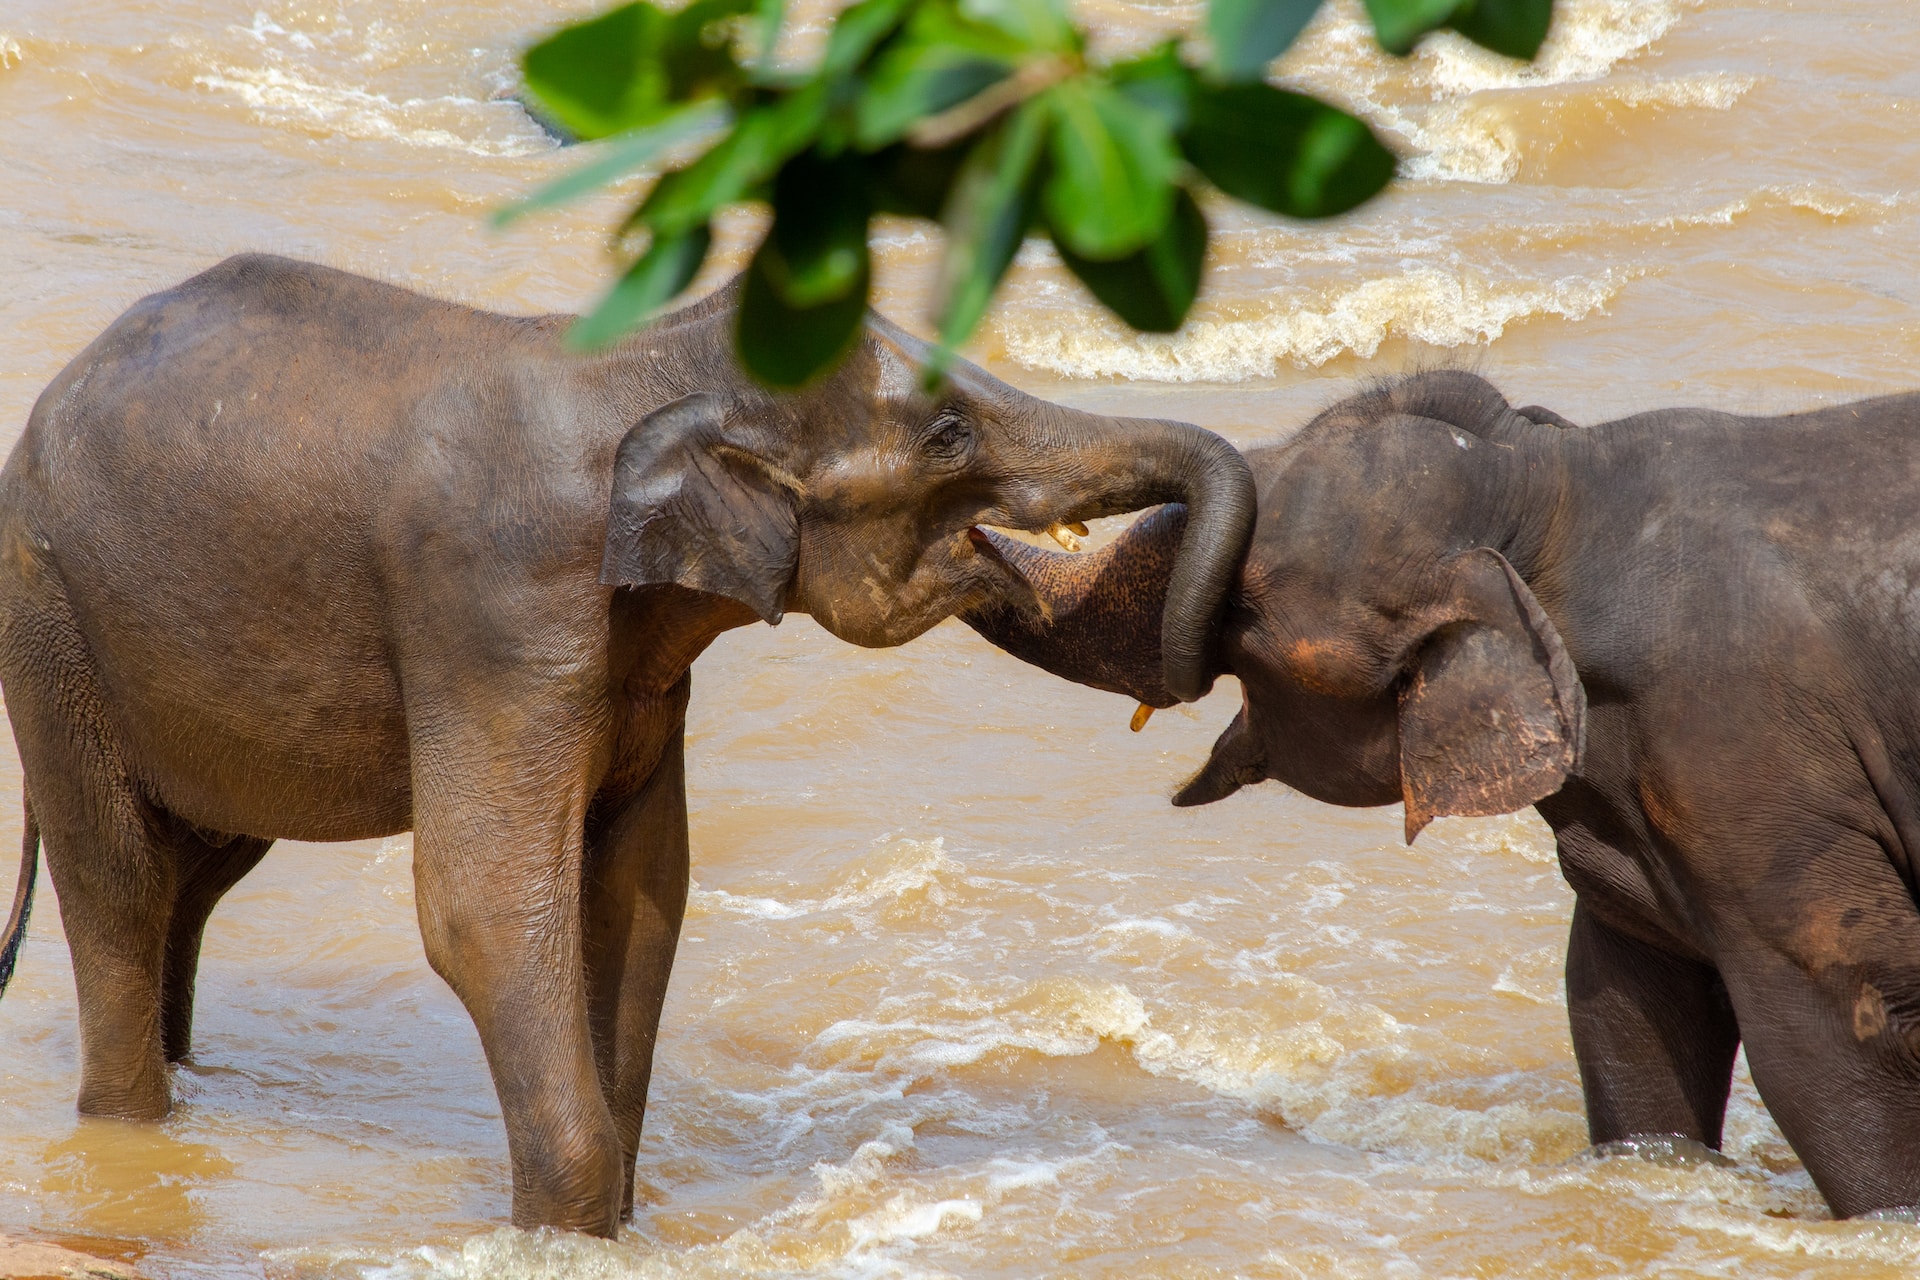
(1681, 637)
(290, 553)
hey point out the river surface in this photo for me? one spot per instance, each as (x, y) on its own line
(959, 993)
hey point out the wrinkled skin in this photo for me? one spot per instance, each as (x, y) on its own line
(1689, 639)
(290, 553)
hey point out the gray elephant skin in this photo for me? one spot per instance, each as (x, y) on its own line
(1690, 640)
(291, 553)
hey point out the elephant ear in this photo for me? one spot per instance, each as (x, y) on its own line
(1492, 713)
(696, 507)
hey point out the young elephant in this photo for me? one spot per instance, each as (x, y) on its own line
(1690, 639)
(290, 553)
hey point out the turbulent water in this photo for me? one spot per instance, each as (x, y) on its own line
(959, 993)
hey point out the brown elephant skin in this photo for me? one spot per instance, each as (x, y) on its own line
(291, 553)
(1690, 639)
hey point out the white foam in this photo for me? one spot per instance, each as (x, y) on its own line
(1477, 140)
(904, 869)
(284, 97)
(10, 55)
(1443, 307)
(1588, 39)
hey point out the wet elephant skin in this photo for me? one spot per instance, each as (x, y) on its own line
(291, 553)
(1691, 640)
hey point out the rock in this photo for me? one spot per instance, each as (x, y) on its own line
(32, 1260)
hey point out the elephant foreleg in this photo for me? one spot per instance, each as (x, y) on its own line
(1654, 1034)
(500, 801)
(636, 895)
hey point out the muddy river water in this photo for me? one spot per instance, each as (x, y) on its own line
(959, 993)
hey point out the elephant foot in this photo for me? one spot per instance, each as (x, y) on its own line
(1671, 1150)
(137, 1105)
(1907, 1213)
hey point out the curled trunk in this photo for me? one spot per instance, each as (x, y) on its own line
(1130, 463)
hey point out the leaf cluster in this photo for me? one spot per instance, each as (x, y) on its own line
(988, 116)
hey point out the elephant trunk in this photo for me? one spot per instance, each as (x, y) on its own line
(1098, 619)
(1129, 463)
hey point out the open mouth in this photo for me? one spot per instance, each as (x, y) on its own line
(1065, 532)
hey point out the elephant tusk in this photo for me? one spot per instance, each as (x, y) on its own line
(1141, 714)
(1063, 534)
(1078, 526)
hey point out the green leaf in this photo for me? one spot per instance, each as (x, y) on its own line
(1151, 290)
(1399, 24)
(1037, 24)
(913, 182)
(857, 31)
(1516, 28)
(1113, 167)
(817, 249)
(919, 78)
(1248, 34)
(986, 217)
(1159, 81)
(697, 47)
(767, 16)
(620, 156)
(760, 143)
(603, 75)
(1284, 151)
(787, 346)
(663, 271)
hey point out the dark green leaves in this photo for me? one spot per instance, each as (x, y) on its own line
(1283, 151)
(784, 345)
(1513, 27)
(1113, 167)
(1152, 288)
(663, 271)
(1516, 28)
(621, 156)
(988, 115)
(806, 290)
(1248, 34)
(630, 65)
(987, 216)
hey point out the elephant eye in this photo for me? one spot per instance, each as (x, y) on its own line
(948, 437)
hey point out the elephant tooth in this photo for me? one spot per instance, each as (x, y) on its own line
(1078, 526)
(1063, 535)
(1141, 714)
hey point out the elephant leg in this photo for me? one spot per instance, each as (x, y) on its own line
(1824, 970)
(1654, 1034)
(104, 848)
(206, 872)
(636, 895)
(500, 801)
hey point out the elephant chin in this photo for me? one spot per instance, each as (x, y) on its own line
(1237, 761)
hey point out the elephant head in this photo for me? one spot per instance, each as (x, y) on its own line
(1387, 651)
(860, 500)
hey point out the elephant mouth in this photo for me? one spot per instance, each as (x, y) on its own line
(1020, 591)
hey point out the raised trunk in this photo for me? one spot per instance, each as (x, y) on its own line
(1099, 617)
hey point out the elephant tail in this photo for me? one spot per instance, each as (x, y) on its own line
(22, 894)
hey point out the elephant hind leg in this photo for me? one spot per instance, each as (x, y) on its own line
(1654, 1034)
(105, 848)
(207, 869)
(1823, 963)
